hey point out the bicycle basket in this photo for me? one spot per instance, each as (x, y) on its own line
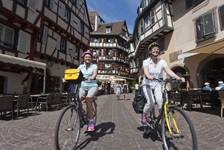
(73, 76)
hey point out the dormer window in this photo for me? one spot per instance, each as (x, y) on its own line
(108, 29)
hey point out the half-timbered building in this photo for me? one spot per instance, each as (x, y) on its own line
(191, 36)
(109, 43)
(38, 41)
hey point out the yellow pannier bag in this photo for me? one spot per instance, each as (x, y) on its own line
(74, 76)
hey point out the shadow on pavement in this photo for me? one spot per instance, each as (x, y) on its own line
(154, 135)
(207, 110)
(100, 131)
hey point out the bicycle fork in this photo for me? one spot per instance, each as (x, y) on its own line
(175, 133)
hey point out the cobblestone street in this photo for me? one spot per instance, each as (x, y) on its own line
(117, 128)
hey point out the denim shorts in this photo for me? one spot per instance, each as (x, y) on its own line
(88, 91)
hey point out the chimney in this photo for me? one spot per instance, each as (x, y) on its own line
(96, 23)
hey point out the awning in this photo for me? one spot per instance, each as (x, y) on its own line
(216, 47)
(24, 62)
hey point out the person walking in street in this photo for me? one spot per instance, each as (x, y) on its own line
(118, 90)
(89, 71)
(125, 90)
(153, 68)
(136, 88)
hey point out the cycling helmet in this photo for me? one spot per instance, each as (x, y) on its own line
(87, 52)
(153, 44)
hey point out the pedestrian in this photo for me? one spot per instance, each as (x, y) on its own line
(125, 90)
(136, 88)
(207, 87)
(118, 90)
(108, 88)
(220, 84)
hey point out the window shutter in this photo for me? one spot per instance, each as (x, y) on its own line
(209, 26)
(51, 4)
(221, 16)
(24, 41)
(9, 37)
(32, 4)
(68, 47)
(58, 42)
(199, 28)
(1, 33)
(45, 34)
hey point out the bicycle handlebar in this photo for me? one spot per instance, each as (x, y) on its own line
(167, 80)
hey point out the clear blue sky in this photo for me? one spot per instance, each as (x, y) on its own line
(116, 10)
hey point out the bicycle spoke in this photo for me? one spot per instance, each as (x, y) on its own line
(68, 129)
(182, 134)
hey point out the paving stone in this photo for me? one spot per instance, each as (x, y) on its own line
(117, 128)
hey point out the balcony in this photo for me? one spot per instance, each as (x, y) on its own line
(108, 45)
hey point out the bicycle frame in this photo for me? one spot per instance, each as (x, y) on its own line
(164, 111)
(166, 104)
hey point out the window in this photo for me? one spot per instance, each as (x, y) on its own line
(77, 3)
(63, 45)
(191, 3)
(6, 36)
(150, 19)
(108, 29)
(221, 17)
(64, 12)
(49, 4)
(2, 84)
(205, 26)
(80, 27)
(141, 26)
(23, 2)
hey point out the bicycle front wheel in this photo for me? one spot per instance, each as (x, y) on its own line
(182, 134)
(67, 130)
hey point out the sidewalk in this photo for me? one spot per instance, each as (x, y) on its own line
(117, 129)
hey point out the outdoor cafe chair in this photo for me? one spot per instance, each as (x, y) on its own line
(44, 101)
(6, 104)
(22, 103)
(68, 98)
(56, 101)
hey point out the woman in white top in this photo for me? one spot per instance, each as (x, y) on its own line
(153, 68)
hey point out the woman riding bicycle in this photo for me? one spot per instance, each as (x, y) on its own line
(88, 86)
(153, 68)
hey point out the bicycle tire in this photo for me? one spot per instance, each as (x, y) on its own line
(186, 139)
(67, 130)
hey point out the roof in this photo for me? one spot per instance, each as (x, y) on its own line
(116, 28)
(92, 15)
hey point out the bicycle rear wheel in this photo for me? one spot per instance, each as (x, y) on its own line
(185, 138)
(67, 130)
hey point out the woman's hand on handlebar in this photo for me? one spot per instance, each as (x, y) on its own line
(182, 79)
(91, 78)
(149, 77)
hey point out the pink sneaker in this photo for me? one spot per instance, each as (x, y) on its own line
(91, 126)
(143, 121)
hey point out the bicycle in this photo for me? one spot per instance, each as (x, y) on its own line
(70, 122)
(177, 129)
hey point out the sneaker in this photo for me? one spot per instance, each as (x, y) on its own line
(91, 126)
(143, 121)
